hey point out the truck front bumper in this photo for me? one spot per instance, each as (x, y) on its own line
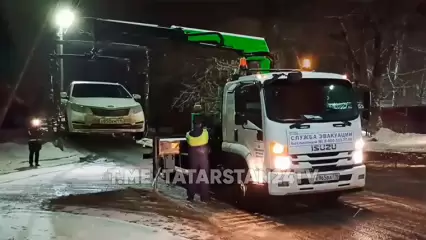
(286, 184)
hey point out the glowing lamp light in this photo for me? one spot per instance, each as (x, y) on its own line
(64, 18)
(35, 122)
(282, 162)
(306, 63)
(277, 148)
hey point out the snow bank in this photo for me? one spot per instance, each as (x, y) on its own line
(145, 142)
(388, 140)
(14, 156)
(12, 151)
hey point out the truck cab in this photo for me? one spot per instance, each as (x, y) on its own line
(294, 133)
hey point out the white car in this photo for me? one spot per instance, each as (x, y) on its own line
(102, 108)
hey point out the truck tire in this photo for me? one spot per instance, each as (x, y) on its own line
(244, 195)
(247, 199)
(328, 199)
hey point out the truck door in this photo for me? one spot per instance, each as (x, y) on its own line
(248, 119)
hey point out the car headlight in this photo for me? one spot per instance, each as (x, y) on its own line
(137, 109)
(79, 108)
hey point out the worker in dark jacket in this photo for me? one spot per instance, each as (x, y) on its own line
(198, 153)
(35, 142)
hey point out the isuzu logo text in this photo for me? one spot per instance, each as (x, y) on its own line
(323, 147)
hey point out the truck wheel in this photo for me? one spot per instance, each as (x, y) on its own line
(328, 199)
(244, 196)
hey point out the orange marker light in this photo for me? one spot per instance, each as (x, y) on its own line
(279, 149)
(243, 63)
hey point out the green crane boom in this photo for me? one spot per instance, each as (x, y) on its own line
(254, 49)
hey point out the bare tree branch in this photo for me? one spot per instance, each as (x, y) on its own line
(204, 86)
(418, 49)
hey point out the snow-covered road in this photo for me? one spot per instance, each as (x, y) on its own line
(37, 225)
(29, 203)
(79, 197)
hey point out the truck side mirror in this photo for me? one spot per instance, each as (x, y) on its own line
(64, 95)
(240, 119)
(259, 135)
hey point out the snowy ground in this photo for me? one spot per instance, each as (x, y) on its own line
(89, 189)
(53, 225)
(98, 189)
(14, 156)
(145, 142)
(389, 141)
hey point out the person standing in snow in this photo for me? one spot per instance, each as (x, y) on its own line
(198, 153)
(35, 142)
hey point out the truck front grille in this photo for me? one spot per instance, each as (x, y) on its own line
(110, 112)
(330, 168)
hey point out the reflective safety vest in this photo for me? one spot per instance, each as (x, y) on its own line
(201, 140)
(35, 135)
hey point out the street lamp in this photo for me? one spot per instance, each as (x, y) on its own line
(306, 64)
(64, 18)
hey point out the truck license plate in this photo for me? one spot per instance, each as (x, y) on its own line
(111, 121)
(327, 177)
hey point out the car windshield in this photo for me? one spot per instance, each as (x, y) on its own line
(99, 91)
(310, 100)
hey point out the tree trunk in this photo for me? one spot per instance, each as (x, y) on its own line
(376, 119)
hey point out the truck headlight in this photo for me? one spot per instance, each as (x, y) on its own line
(359, 144)
(137, 109)
(358, 157)
(282, 162)
(79, 108)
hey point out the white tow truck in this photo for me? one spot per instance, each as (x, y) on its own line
(292, 132)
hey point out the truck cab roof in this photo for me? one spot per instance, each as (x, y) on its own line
(94, 82)
(305, 74)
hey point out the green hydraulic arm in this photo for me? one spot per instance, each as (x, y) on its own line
(253, 49)
(249, 48)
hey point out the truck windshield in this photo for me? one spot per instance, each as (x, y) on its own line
(310, 100)
(99, 91)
